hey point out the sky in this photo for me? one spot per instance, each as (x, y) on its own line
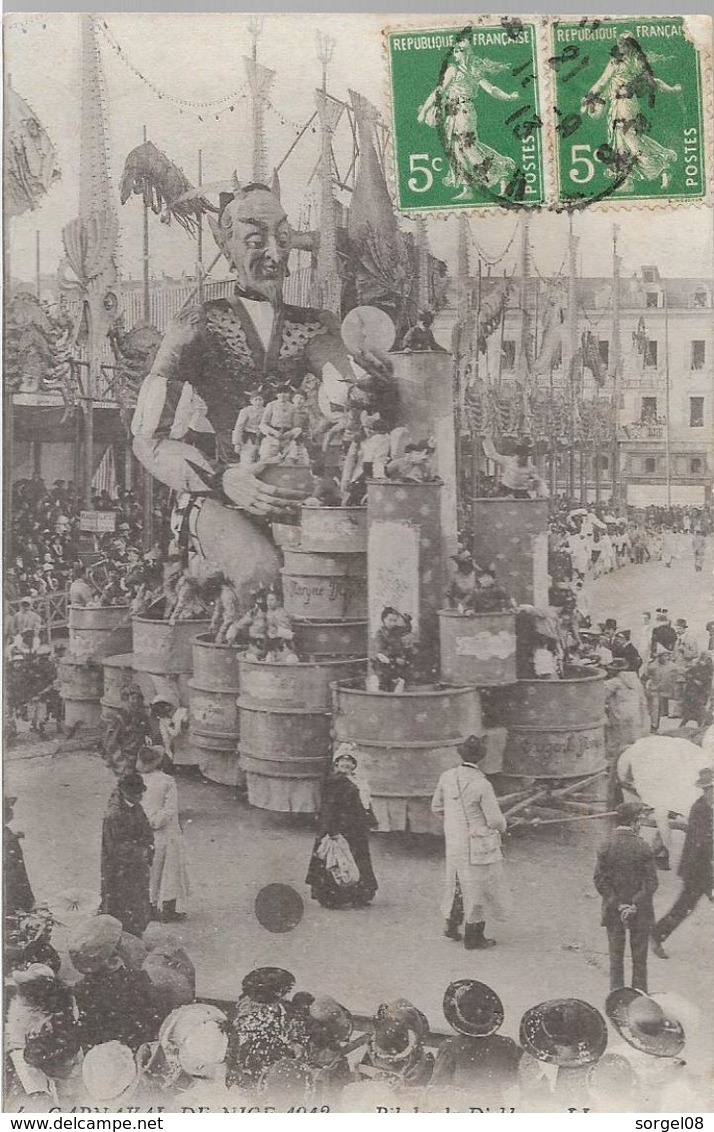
(200, 57)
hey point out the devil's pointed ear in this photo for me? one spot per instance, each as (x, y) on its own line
(224, 199)
(275, 184)
(218, 235)
(236, 182)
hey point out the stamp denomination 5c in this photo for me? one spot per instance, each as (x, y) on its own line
(467, 116)
(628, 106)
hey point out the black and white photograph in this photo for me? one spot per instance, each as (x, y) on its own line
(358, 734)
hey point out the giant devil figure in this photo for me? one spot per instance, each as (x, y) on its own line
(212, 357)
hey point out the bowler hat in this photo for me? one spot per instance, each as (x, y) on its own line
(132, 784)
(628, 811)
(680, 621)
(643, 1023)
(332, 1019)
(267, 984)
(472, 1008)
(473, 749)
(706, 778)
(565, 1031)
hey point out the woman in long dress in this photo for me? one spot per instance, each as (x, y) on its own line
(168, 885)
(626, 90)
(345, 809)
(452, 109)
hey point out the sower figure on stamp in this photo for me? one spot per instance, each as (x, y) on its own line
(626, 878)
(696, 867)
(473, 824)
(452, 108)
(622, 89)
(210, 359)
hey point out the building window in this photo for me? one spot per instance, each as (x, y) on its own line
(696, 412)
(696, 466)
(509, 354)
(558, 356)
(700, 299)
(648, 414)
(652, 299)
(605, 463)
(698, 353)
(604, 351)
(650, 464)
(651, 353)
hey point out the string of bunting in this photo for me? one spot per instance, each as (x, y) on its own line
(298, 127)
(491, 262)
(207, 105)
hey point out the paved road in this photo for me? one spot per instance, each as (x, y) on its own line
(552, 945)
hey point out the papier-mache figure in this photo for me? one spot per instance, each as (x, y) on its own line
(394, 651)
(462, 587)
(281, 423)
(188, 605)
(488, 597)
(226, 610)
(366, 458)
(246, 432)
(416, 465)
(325, 488)
(277, 621)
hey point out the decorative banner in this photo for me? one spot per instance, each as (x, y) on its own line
(97, 522)
(393, 557)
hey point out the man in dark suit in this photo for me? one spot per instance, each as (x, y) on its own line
(695, 867)
(626, 878)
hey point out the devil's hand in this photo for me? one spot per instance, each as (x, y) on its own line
(248, 492)
(376, 389)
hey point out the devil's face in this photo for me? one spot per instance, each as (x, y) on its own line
(255, 237)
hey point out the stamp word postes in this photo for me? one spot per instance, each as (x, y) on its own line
(628, 110)
(467, 117)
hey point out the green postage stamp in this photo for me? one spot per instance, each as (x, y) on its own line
(628, 110)
(467, 116)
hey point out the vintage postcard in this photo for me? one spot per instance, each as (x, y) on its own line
(359, 537)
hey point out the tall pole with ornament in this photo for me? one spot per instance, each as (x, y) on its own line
(260, 80)
(327, 282)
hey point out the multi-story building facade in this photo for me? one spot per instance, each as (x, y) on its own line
(656, 363)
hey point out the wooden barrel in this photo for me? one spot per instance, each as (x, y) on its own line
(80, 684)
(285, 730)
(215, 666)
(324, 586)
(164, 647)
(513, 534)
(404, 742)
(555, 727)
(334, 529)
(296, 477)
(118, 677)
(98, 632)
(286, 534)
(478, 648)
(317, 639)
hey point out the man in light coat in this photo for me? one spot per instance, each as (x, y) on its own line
(473, 824)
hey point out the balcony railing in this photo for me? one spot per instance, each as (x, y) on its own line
(642, 430)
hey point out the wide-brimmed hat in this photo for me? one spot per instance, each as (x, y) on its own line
(706, 778)
(108, 1070)
(473, 1008)
(267, 984)
(643, 1023)
(401, 1010)
(94, 943)
(565, 1031)
(194, 1037)
(149, 758)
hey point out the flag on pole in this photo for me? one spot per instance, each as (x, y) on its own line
(29, 159)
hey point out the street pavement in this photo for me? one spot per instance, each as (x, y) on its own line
(552, 945)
